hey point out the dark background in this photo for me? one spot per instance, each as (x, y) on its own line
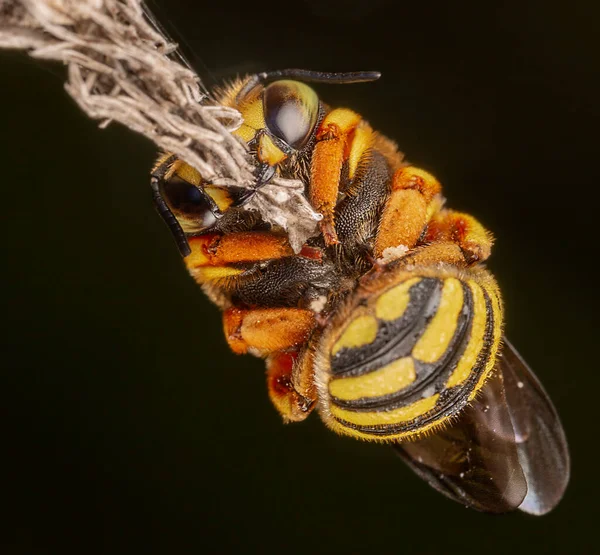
(128, 425)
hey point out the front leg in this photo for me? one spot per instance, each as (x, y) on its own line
(213, 255)
(326, 166)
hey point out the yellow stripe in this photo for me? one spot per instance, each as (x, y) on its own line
(493, 292)
(434, 342)
(389, 379)
(188, 173)
(392, 304)
(396, 416)
(220, 196)
(361, 331)
(269, 153)
(254, 119)
(361, 144)
(475, 345)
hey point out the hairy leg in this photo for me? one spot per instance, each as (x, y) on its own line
(413, 200)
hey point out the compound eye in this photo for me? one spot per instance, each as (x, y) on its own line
(189, 204)
(291, 111)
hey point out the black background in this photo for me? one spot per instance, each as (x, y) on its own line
(130, 427)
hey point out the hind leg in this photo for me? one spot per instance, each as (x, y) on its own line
(413, 200)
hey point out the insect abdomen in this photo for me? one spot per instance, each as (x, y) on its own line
(409, 352)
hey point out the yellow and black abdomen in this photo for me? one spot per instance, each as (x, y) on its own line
(408, 351)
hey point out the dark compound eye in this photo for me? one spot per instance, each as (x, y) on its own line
(189, 204)
(291, 111)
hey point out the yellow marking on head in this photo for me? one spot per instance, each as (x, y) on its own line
(434, 342)
(396, 416)
(254, 119)
(188, 173)
(361, 331)
(361, 144)
(475, 344)
(245, 132)
(209, 273)
(268, 152)
(220, 196)
(389, 379)
(392, 304)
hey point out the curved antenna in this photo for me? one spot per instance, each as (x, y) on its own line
(163, 209)
(308, 76)
(171, 221)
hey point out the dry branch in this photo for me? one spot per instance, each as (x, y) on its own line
(119, 69)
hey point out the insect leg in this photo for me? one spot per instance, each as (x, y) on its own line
(409, 207)
(291, 385)
(474, 240)
(264, 331)
(326, 166)
(212, 255)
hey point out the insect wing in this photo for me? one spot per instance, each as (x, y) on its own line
(474, 461)
(506, 451)
(539, 435)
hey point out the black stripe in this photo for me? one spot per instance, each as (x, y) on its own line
(395, 339)
(433, 375)
(451, 401)
(459, 394)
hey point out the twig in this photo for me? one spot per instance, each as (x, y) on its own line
(119, 69)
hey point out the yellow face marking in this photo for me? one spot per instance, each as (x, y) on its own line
(475, 345)
(254, 119)
(362, 143)
(389, 379)
(361, 331)
(439, 332)
(268, 152)
(396, 416)
(189, 174)
(220, 196)
(392, 304)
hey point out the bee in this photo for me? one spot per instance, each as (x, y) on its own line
(386, 322)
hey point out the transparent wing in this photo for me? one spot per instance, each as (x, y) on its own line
(506, 451)
(539, 435)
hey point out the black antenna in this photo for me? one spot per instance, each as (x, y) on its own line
(171, 221)
(164, 211)
(309, 76)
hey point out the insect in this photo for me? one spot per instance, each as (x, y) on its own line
(385, 322)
